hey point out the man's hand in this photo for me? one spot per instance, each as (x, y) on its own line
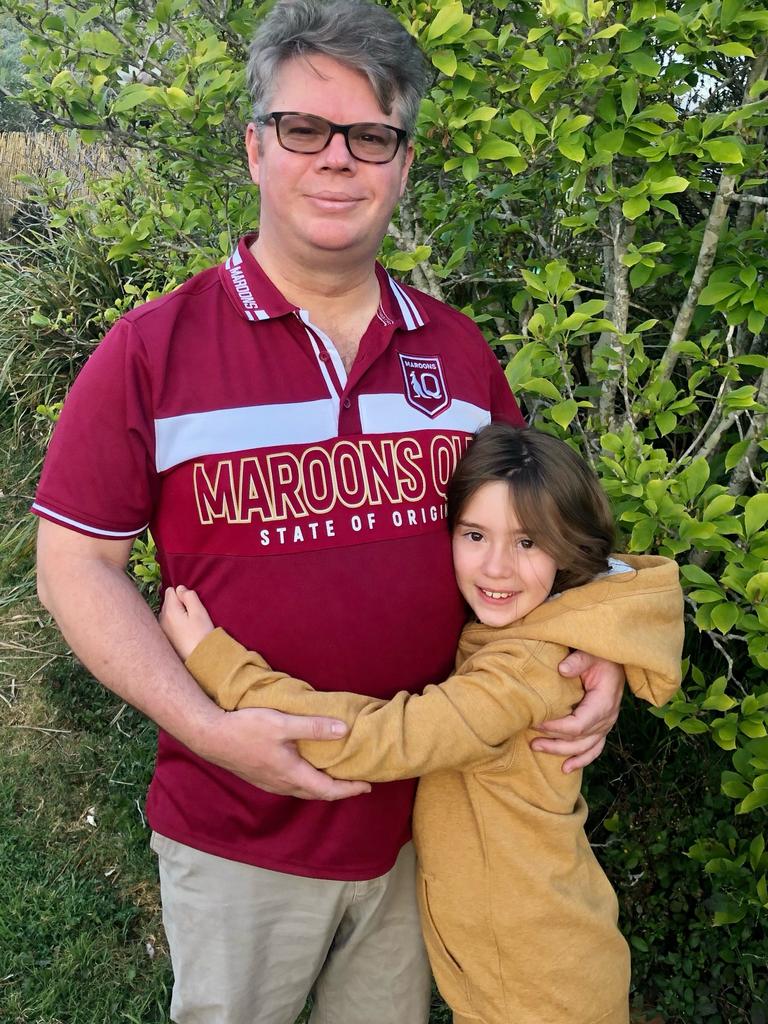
(258, 745)
(580, 736)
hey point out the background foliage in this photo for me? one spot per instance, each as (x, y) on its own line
(590, 186)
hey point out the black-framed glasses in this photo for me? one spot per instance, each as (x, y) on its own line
(306, 133)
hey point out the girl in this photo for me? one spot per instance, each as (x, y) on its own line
(518, 917)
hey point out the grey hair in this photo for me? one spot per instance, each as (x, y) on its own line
(362, 35)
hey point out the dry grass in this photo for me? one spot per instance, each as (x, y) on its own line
(38, 154)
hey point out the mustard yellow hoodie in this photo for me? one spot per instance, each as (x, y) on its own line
(518, 917)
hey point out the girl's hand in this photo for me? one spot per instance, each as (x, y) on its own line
(184, 620)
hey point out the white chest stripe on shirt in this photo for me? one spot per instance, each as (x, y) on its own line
(391, 414)
(314, 333)
(179, 438)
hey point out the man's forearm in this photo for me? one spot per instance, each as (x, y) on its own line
(113, 632)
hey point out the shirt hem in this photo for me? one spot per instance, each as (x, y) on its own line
(284, 867)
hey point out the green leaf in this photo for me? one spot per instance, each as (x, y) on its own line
(631, 40)
(610, 31)
(494, 148)
(719, 702)
(103, 42)
(177, 99)
(470, 168)
(635, 207)
(571, 150)
(730, 915)
(756, 799)
(643, 535)
(755, 513)
(757, 587)
(719, 506)
(694, 727)
(630, 91)
(736, 453)
(564, 412)
(734, 50)
(723, 152)
(542, 83)
(756, 851)
(717, 291)
(725, 616)
(728, 11)
(756, 322)
(643, 63)
(541, 386)
(445, 61)
(666, 422)
(482, 114)
(134, 95)
(534, 60)
(610, 142)
(525, 123)
(445, 19)
(696, 575)
(672, 184)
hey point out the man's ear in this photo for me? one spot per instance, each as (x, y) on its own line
(252, 143)
(409, 153)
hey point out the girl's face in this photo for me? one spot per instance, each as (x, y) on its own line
(501, 573)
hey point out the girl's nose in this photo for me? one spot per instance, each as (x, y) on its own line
(500, 561)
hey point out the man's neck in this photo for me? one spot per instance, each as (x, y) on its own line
(335, 279)
(341, 297)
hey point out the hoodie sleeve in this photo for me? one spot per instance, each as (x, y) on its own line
(463, 721)
(634, 619)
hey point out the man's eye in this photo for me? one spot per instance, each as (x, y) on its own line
(303, 131)
(372, 139)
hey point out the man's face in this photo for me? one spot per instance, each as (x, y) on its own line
(327, 201)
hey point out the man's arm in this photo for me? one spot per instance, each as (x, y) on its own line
(108, 625)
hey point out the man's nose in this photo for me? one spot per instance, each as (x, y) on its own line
(336, 154)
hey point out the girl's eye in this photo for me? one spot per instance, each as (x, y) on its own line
(473, 535)
(527, 543)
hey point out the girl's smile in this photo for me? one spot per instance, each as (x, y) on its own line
(500, 571)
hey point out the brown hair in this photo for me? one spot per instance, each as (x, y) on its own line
(556, 497)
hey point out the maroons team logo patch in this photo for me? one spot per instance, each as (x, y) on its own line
(425, 388)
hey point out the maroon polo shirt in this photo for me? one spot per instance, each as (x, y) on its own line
(304, 504)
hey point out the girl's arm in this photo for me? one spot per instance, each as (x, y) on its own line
(463, 721)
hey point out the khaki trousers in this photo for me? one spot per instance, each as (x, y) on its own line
(249, 945)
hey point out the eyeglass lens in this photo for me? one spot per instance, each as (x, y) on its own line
(304, 133)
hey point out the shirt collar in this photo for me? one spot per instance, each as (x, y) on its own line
(249, 289)
(399, 304)
(255, 297)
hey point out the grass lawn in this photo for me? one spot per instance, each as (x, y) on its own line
(81, 940)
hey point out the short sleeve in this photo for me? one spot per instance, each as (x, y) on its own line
(99, 475)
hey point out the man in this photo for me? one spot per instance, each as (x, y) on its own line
(286, 423)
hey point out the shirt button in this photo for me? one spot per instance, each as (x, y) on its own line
(346, 403)
(324, 356)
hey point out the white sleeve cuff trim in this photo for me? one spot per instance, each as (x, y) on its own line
(86, 526)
